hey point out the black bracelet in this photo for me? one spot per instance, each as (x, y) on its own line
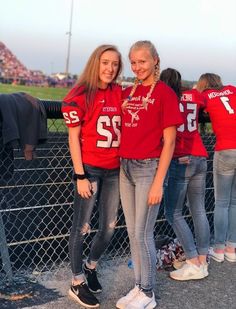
(79, 176)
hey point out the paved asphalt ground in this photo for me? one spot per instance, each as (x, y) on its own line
(218, 291)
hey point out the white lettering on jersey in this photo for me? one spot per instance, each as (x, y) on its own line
(187, 97)
(108, 109)
(212, 95)
(112, 124)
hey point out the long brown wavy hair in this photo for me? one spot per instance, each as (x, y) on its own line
(209, 81)
(88, 81)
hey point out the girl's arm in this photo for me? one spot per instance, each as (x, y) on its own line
(156, 190)
(83, 186)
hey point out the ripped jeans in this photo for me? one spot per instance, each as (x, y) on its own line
(106, 198)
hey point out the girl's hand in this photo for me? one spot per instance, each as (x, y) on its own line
(84, 188)
(155, 194)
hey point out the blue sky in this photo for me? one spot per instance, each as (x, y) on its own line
(193, 36)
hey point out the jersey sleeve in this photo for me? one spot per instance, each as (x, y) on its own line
(199, 99)
(171, 112)
(73, 111)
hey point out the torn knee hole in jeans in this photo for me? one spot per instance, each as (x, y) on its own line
(112, 224)
(85, 229)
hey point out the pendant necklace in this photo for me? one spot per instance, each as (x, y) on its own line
(144, 100)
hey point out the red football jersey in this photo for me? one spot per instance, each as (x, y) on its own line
(221, 106)
(100, 126)
(142, 128)
(188, 139)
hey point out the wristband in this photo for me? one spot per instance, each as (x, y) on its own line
(79, 176)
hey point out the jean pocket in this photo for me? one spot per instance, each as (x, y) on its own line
(184, 160)
(146, 162)
(227, 157)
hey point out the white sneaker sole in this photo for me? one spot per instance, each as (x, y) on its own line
(217, 259)
(123, 305)
(206, 273)
(193, 277)
(152, 305)
(229, 259)
(77, 300)
(123, 302)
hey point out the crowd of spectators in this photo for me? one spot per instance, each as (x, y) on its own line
(12, 71)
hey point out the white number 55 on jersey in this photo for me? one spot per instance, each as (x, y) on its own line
(71, 117)
(113, 124)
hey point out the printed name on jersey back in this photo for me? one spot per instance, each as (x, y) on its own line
(187, 97)
(214, 94)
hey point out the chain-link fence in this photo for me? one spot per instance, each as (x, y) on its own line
(36, 208)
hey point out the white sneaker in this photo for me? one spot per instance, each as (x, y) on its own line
(142, 301)
(188, 271)
(218, 257)
(123, 301)
(205, 269)
(230, 257)
(178, 264)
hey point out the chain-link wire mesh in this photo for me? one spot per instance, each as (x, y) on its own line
(36, 208)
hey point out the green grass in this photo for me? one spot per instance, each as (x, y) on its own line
(46, 93)
(56, 125)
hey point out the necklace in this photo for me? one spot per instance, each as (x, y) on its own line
(144, 100)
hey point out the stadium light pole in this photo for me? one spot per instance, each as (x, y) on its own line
(69, 40)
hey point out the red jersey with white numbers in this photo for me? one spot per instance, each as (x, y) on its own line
(188, 139)
(100, 125)
(142, 128)
(221, 106)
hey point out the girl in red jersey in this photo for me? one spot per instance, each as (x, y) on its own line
(221, 107)
(150, 117)
(92, 112)
(187, 178)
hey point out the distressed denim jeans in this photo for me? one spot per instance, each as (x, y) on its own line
(188, 180)
(136, 177)
(106, 197)
(224, 171)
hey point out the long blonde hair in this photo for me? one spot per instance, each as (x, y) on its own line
(209, 81)
(88, 81)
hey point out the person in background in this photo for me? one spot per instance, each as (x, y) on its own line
(221, 106)
(149, 120)
(187, 180)
(92, 112)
